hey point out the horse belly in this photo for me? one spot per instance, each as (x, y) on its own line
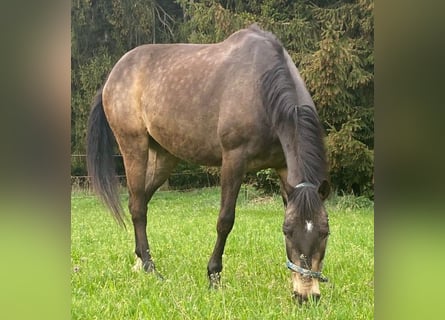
(187, 139)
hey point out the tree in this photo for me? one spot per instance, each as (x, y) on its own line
(340, 76)
(101, 32)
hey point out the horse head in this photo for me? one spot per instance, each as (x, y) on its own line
(306, 230)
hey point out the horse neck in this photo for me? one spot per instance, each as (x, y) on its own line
(302, 142)
(294, 133)
(294, 119)
(288, 140)
(303, 97)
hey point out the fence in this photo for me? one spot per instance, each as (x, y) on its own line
(186, 176)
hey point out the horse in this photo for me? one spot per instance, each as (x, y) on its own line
(240, 104)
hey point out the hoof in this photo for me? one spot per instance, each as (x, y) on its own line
(137, 265)
(214, 281)
(148, 267)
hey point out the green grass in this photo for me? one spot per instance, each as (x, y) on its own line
(255, 281)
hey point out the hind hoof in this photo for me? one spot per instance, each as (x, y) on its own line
(148, 267)
(137, 265)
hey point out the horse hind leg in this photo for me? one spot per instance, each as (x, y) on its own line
(134, 150)
(159, 166)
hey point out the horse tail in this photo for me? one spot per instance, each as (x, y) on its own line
(100, 162)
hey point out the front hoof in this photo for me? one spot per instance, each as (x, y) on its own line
(214, 280)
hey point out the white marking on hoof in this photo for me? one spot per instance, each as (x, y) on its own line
(309, 226)
(138, 265)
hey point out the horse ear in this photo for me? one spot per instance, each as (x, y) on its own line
(324, 189)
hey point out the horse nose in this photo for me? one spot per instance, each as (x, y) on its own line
(315, 297)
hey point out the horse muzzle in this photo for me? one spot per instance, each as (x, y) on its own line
(305, 288)
(305, 283)
(315, 297)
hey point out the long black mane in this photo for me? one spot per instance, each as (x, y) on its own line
(279, 96)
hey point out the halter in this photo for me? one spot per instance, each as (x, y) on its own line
(305, 272)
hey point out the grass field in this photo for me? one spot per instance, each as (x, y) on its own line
(256, 283)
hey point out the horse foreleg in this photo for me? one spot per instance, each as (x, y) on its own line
(285, 188)
(232, 172)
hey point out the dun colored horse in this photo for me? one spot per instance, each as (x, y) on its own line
(240, 104)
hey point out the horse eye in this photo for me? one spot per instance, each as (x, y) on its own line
(287, 231)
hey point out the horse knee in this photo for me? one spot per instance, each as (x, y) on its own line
(225, 224)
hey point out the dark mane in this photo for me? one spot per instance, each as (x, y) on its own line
(279, 96)
(311, 151)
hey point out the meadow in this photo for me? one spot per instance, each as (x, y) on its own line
(181, 231)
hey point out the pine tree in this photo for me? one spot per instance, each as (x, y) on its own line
(340, 76)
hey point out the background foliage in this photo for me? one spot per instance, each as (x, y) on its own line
(331, 42)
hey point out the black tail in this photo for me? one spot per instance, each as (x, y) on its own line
(100, 163)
